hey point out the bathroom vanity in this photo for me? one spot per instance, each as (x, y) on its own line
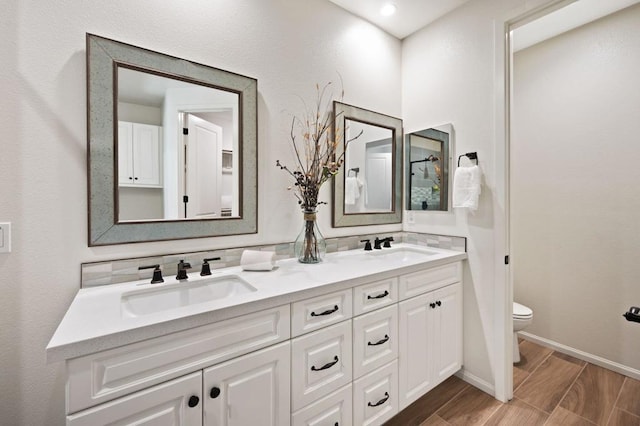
(350, 341)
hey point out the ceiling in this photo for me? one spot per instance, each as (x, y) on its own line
(411, 15)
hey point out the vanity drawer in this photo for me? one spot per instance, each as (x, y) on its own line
(103, 376)
(163, 404)
(379, 294)
(333, 409)
(375, 340)
(430, 279)
(375, 396)
(312, 314)
(321, 362)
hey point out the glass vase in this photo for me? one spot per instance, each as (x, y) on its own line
(310, 246)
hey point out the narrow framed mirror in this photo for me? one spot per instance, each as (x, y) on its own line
(367, 190)
(427, 169)
(172, 147)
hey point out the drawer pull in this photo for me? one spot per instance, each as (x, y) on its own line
(327, 312)
(385, 339)
(327, 365)
(382, 401)
(380, 296)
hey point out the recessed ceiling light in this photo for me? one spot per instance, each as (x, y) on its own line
(388, 9)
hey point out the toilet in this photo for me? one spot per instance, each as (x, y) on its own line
(522, 317)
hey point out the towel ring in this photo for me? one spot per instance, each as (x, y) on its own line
(355, 169)
(470, 156)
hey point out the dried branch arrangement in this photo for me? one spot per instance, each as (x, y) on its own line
(316, 149)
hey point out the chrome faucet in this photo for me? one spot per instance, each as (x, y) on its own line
(182, 270)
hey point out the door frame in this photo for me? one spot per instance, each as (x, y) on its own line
(503, 97)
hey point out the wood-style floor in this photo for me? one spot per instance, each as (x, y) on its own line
(550, 388)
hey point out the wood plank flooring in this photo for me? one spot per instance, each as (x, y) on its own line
(550, 389)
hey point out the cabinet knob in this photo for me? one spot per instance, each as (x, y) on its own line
(433, 305)
(130, 178)
(439, 303)
(215, 392)
(135, 178)
(193, 401)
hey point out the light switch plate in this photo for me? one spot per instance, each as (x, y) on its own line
(5, 237)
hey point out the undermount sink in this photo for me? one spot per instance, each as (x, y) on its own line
(171, 296)
(402, 254)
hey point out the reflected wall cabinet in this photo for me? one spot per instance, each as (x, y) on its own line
(139, 155)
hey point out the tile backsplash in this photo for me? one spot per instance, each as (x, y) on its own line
(118, 271)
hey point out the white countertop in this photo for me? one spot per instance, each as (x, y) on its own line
(95, 319)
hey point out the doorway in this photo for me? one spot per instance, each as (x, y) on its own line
(566, 201)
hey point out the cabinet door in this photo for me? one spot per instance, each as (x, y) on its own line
(146, 154)
(250, 390)
(447, 322)
(125, 153)
(416, 337)
(177, 402)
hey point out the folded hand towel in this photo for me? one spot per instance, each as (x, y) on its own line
(466, 187)
(255, 260)
(351, 190)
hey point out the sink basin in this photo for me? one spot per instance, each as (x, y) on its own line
(402, 254)
(165, 297)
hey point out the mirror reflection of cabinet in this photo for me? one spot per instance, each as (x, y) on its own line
(139, 155)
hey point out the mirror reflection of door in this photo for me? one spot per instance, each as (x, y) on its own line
(368, 168)
(378, 174)
(203, 168)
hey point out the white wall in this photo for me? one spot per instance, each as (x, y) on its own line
(448, 74)
(288, 45)
(575, 181)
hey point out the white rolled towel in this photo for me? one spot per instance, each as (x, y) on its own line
(255, 260)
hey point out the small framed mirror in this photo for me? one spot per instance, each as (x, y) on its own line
(172, 147)
(368, 187)
(427, 169)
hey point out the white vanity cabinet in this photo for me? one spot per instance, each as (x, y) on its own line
(353, 356)
(139, 155)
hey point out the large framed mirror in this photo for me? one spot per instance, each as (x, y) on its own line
(427, 169)
(367, 190)
(172, 147)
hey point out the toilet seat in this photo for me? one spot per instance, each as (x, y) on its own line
(521, 311)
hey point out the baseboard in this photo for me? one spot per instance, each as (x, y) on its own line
(476, 381)
(576, 353)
